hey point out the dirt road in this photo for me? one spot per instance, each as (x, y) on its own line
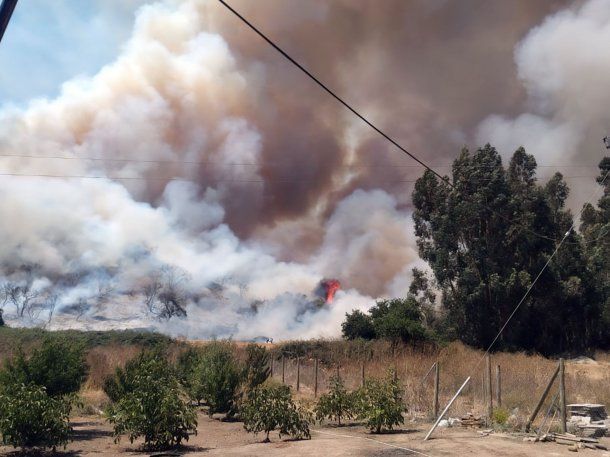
(93, 437)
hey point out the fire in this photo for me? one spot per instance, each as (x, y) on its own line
(330, 286)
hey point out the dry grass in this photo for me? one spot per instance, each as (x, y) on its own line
(524, 377)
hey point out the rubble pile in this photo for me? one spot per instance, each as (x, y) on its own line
(470, 420)
(590, 420)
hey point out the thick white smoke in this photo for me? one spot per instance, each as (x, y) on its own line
(564, 65)
(87, 248)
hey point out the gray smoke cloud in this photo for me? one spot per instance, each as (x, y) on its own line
(249, 185)
(563, 63)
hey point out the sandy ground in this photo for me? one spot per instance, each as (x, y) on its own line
(93, 437)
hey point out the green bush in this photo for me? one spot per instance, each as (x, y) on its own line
(116, 386)
(500, 416)
(337, 403)
(270, 407)
(217, 378)
(358, 325)
(257, 369)
(380, 403)
(58, 365)
(186, 369)
(396, 320)
(150, 404)
(31, 418)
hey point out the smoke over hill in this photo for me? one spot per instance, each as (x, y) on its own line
(209, 176)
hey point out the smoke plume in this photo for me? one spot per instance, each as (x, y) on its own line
(202, 173)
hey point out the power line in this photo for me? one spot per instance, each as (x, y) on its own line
(175, 178)
(172, 178)
(266, 162)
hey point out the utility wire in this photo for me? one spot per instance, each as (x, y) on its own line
(170, 178)
(265, 163)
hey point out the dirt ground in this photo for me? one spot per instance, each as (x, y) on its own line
(93, 437)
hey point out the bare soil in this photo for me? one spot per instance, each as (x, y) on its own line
(93, 437)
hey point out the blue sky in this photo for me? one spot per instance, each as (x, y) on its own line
(50, 41)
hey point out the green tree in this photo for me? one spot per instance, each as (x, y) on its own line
(31, 418)
(380, 403)
(217, 378)
(399, 320)
(337, 403)
(357, 325)
(270, 407)
(186, 369)
(151, 405)
(257, 369)
(487, 237)
(58, 365)
(595, 226)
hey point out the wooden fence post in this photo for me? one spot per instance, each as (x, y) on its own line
(271, 367)
(562, 395)
(283, 369)
(436, 387)
(315, 378)
(541, 401)
(298, 373)
(498, 386)
(490, 405)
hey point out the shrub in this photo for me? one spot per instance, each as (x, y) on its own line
(500, 416)
(357, 325)
(29, 417)
(257, 368)
(337, 403)
(58, 365)
(270, 407)
(217, 378)
(186, 369)
(380, 403)
(151, 404)
(116, 386)
(397, 319)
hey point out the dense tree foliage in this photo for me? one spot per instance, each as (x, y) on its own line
(29, 417)
(485, 240)
(217, 378)
(337, 403)
(58, 365)
(396, 319)
(148, 402)
(358, 325)
(595, 229)
(270, 407)
(379, 403)
(257, 369)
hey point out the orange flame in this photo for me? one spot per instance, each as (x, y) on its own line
(331, 286)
